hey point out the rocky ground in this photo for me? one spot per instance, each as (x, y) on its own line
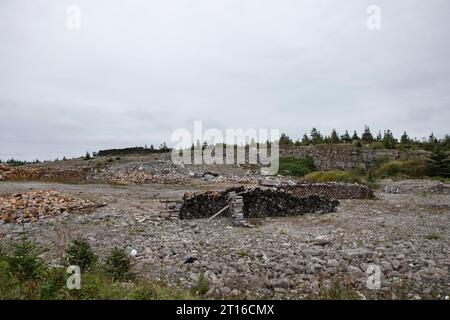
(406, 235)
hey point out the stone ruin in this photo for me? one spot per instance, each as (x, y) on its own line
(242, 202)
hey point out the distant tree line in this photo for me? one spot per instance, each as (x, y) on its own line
(15, 163)
(381, 140)
(136, 150)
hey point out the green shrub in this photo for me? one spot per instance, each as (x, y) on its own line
(202, 286)
(53, 285)
(413, 168)
(439, 164)
(24, 266)
(334, 176)
(118, 264)
(24, 263)
(7, 284)
(290, 166)
(339, 290)
(80, 253)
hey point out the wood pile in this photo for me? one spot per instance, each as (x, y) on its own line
(15, 173)
(8, 173)
(141, 172)
(334, 190)
(257, 202)
(38, 204)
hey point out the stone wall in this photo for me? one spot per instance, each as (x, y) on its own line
(347, 157)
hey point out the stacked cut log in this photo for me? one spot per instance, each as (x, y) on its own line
(38, 204)
(257, 202)
(334, 190)
(8, 173)
(141, 172)
(14, 173)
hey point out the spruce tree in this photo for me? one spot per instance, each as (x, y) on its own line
(355, 136)
(25, 263)
(439, 163)
(334, 138)
(379, 136)
(316, 136)
(367, 136)
(118, 264)
(388, 140)
(285, 140)
(404, 139)
(305, 140)
(346, 137)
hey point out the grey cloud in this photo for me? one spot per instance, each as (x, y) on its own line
(137, 70)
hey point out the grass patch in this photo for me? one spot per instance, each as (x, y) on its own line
(202, 286)
(432, 236)
(413, 168)
(242, 253)
(290, 166)
(336, 176)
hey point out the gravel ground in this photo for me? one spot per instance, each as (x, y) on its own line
(405, 236)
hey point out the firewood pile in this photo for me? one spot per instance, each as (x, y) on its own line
(14, 173)
(142, 172)
(334, 190)
(8, 173)
(38, 204)
(257, 203)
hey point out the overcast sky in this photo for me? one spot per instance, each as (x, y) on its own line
(137, 70)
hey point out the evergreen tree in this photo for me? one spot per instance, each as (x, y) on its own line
(388, 140)
(25, 263)
(355, 136)
(432, 139)
(80, 253)
(118, 264)
(367, 136)
(404, 139)
(316, 136)
(346, 137)
(379, 136)
(305, 140)
(87, 156)
(439, 163)
(334, 138)
(285, 140)
(446, 141)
